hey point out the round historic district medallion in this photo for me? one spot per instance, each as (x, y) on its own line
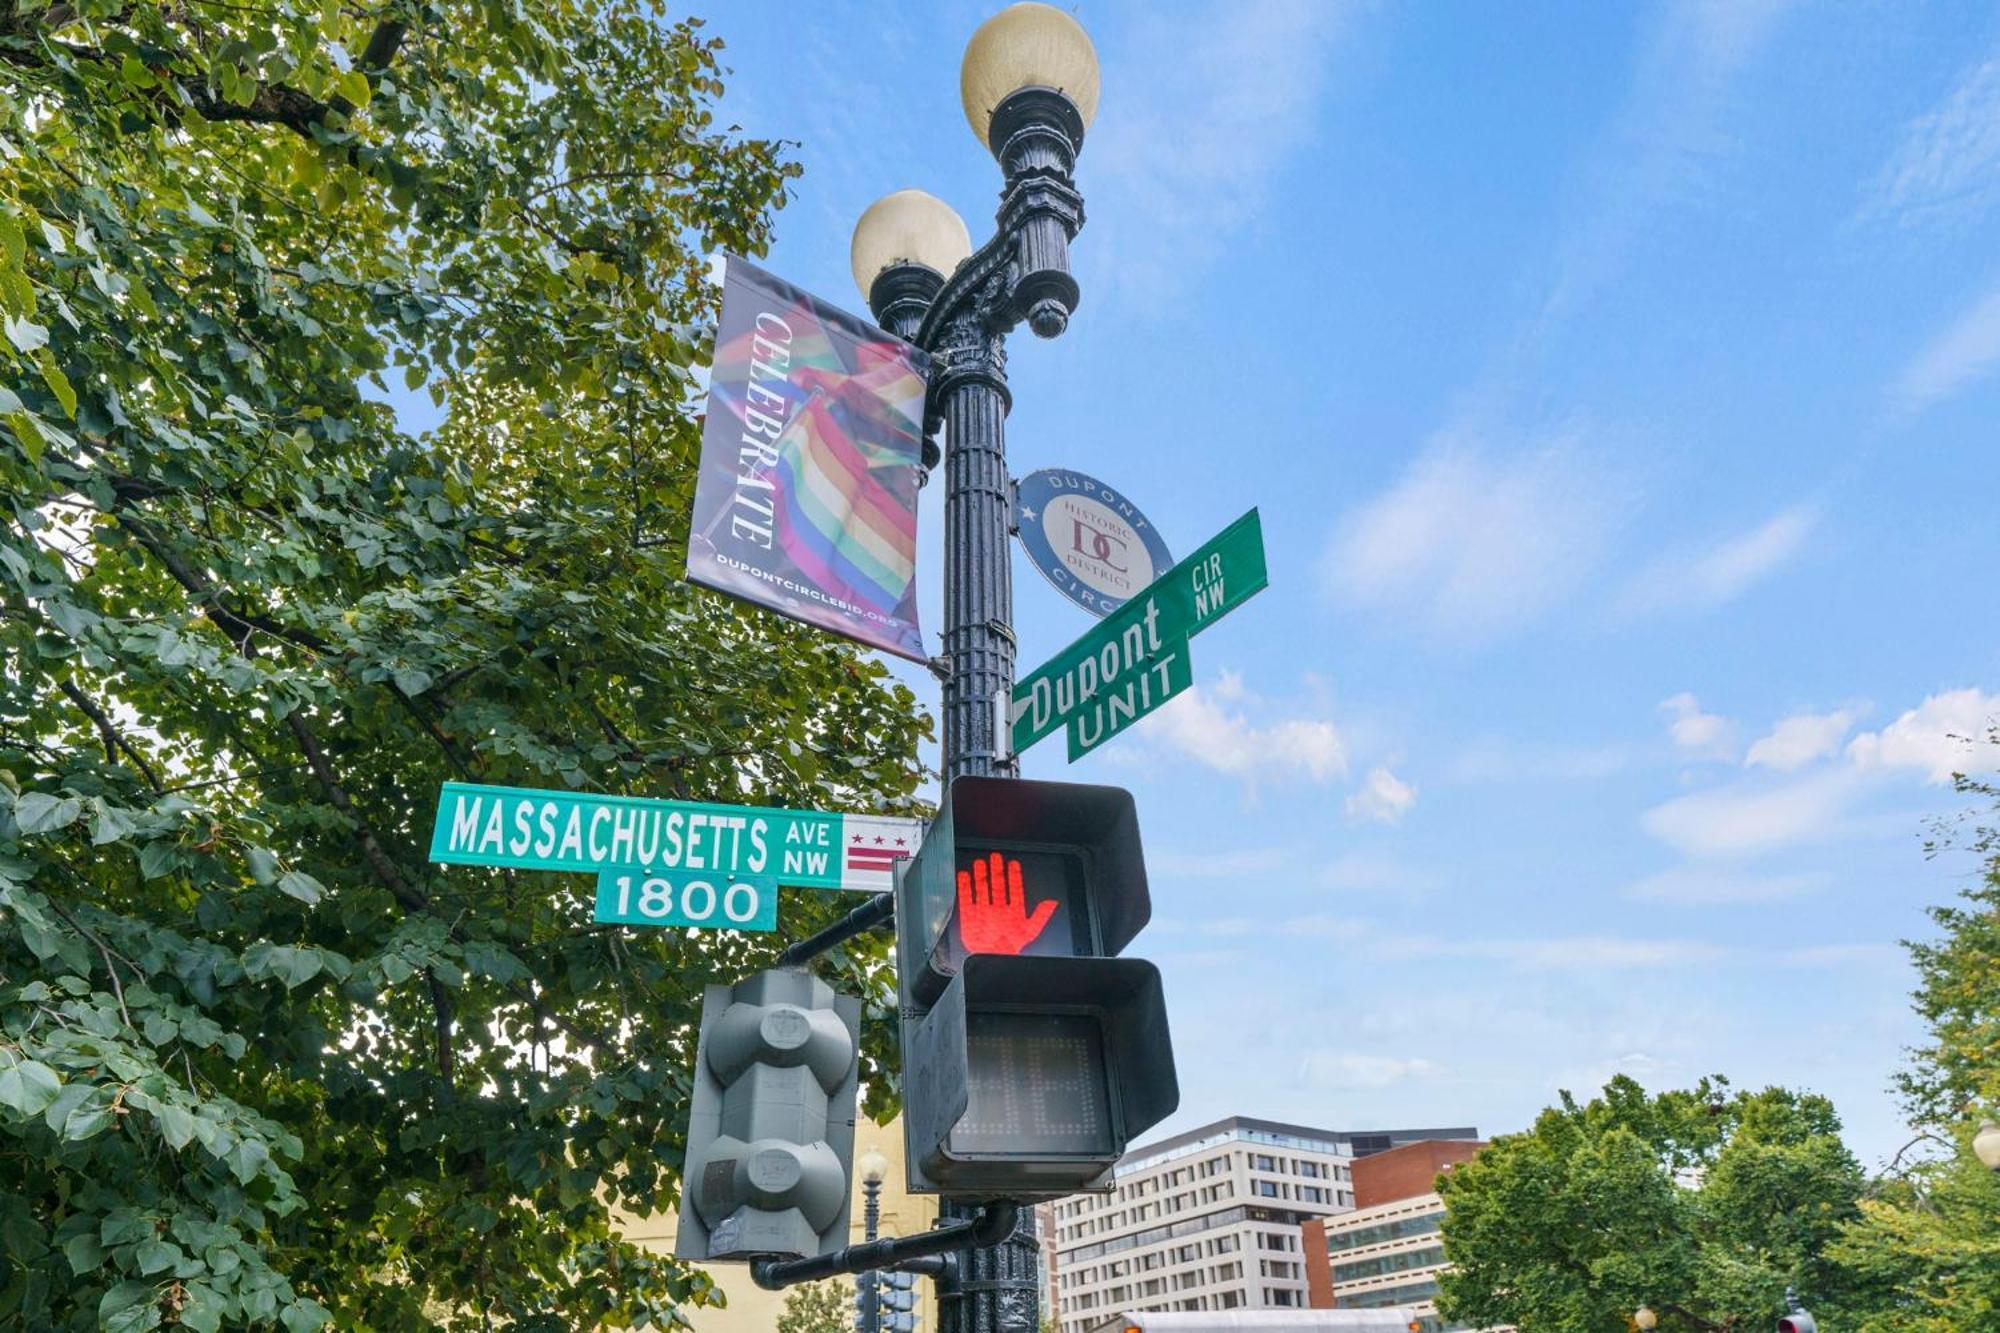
(1088, 540)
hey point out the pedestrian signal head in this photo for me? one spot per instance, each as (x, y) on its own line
(1028, 869)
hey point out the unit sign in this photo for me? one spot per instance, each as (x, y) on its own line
(1136, 658)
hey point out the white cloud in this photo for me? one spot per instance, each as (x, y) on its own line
(1184, 155)
(1892, 956)
(1943, 735)
(1383, 797)
(1570, 953)
(1689, 886)
(1468, 543)
(1199, 726)
(1664, 143)
(1505, 761)
(1708, 735)
(1343, 1069)
(1361, 872)
(1948, 163)
(1744, 819)
(1237, 863)
(1719, 573)
(1321, 926)
(1959, 355)
(1800, 739)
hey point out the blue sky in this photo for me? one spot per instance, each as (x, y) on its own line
(1618, 385)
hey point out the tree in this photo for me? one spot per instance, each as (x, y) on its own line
(1958, 991)
(818, 1307)
(1929, 1235)
(259, 1063)
(1701, 1204)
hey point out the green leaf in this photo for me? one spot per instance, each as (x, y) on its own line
(302, 886)
(58, 382)
(39, 812)
(79, 1111)
(28, 431)
(84, 1252)
(24, 333)
(157, 858)
(277, 962)
(263, 865)
(247, 1158)
(125, 1226)
(26, 1086)
(412, 681)
(156, 1255)
(303, 1316)
(203, 1311)
(109, 823)
(127, 1307)
(176, 1126)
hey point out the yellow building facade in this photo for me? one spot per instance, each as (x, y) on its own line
(750, 1309)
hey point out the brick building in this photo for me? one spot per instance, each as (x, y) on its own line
(1386, 1252)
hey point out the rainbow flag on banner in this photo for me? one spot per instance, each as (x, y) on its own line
(807, 498)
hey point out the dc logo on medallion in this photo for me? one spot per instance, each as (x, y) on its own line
(1087, 538)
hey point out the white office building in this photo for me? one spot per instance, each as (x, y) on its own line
(1208, 1220)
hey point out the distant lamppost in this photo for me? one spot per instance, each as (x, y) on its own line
(1643, 1318)
(1029, 85)
(1986, 1145)
(873, 1168)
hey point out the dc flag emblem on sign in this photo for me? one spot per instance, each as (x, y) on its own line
(1087, 538)
(877, 853)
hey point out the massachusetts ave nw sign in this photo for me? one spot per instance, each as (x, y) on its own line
(1137, 657)
(671, 863)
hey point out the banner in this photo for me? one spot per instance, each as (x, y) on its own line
(807, 498)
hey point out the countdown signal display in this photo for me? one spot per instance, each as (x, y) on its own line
(1031, 1054)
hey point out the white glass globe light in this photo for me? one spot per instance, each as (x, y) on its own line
(908, 226)
(1027, 45)
(873, 1167)
(1986, 1145)
(1644, 1318)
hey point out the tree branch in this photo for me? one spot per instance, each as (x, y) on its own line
(114, 740)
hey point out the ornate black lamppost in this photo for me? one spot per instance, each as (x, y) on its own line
(1029, 84)
(868, 1286)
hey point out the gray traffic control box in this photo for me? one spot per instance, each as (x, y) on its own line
(771, 1131)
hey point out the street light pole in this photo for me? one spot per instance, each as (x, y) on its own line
(868, 1285)
(1029, 83)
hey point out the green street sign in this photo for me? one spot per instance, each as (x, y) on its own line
(1111, 711)
(1111, 675)
(637, 898)
(692, 851)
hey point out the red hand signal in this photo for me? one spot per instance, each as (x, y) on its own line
(993, 914)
